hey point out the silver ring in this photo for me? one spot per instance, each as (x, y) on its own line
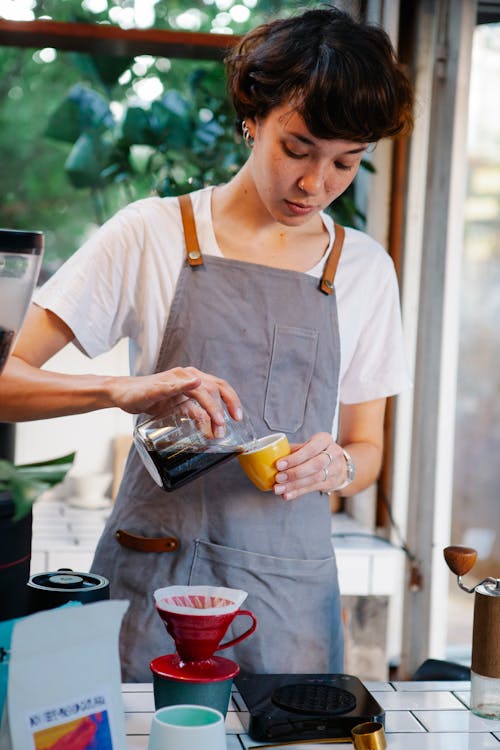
(329, 456)
(326, 475)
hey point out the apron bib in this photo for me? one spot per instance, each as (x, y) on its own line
(274, 337)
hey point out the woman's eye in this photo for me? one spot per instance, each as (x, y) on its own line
(343, 167)
(294, 155)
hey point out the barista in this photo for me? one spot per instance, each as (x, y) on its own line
(255, 324)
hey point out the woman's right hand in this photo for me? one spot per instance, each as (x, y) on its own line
(156, 394)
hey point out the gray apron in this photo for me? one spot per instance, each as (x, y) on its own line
(274, 337)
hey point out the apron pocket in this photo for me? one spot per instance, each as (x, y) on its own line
(296, 603)
(292, 363)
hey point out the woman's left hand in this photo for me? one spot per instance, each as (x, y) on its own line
(318, 464)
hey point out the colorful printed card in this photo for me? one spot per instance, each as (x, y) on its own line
(64, 683)
(79, 724)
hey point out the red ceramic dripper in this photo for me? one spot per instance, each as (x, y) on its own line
(198, 619)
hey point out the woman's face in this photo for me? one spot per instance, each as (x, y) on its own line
(296, 174)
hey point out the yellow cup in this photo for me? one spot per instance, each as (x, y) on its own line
(259, 463)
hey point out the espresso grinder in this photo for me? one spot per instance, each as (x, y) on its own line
(485, 666)
(20, 258)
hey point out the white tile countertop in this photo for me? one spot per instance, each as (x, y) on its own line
(418, 716)
(65, 536)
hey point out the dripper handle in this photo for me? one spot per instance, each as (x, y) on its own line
(244, 635)
(460, 559)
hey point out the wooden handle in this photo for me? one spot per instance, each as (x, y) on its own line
(460, 559)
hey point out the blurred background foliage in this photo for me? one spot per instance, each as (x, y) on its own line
(81, 135)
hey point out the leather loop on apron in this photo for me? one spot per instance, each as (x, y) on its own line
(147, 543)
(193, 251)
(332, 262)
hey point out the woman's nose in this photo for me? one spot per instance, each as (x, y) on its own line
(312, 182)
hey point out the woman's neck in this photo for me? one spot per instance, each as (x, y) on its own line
(245, 230)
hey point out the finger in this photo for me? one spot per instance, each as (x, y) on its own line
(293, 490)
(311, 467)
(219, 390)
(166, 385)
(310, 457)
(232, 401)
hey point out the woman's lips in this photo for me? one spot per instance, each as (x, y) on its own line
(299, 209)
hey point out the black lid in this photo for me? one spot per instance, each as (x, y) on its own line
(21, 241)
(68, 580)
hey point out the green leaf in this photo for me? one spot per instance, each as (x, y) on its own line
(176, 104)
(104, 69)
(25, 493)
(136, 128)
(83, 109)
(86, 160)
(209, 132)
(26, 482)
(7, 473)
(66, 460)
(368, 166)
(64, 122)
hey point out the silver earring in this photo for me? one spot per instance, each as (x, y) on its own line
(246, 135)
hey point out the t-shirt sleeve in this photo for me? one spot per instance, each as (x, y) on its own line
(378, 367)
(93, 292)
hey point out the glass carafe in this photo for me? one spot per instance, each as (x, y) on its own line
(181, 446)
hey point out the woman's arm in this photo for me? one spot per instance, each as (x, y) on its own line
(361, 434)
(27, 392)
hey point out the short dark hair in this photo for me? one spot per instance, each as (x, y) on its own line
(340, 75)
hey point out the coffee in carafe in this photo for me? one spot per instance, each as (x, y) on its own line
(177, 465)
(180, 447)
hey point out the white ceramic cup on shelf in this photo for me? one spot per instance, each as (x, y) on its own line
(88, 490)
(187, 727)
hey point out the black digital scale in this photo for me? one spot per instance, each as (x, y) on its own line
(294, 707)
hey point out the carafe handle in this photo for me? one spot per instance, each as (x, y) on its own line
(244, 635)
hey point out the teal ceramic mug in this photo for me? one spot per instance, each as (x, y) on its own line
(187, 727)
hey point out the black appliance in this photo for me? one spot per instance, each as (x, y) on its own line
(49, 590)
(295, 707)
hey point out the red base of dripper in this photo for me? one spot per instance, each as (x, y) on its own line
(214, 669)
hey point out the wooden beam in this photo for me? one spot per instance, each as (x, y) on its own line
(105, 39)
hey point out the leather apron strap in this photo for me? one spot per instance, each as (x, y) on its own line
(326, 284)
(193, 251)
(195, 258)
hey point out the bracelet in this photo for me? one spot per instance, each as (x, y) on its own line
(351, 472)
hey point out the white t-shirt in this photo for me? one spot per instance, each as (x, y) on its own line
(121, 283)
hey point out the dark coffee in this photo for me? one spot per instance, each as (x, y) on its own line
(177, 467)
(6, 339)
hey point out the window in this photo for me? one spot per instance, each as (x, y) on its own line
(476, 496)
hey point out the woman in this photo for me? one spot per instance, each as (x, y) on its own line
(255, 324)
